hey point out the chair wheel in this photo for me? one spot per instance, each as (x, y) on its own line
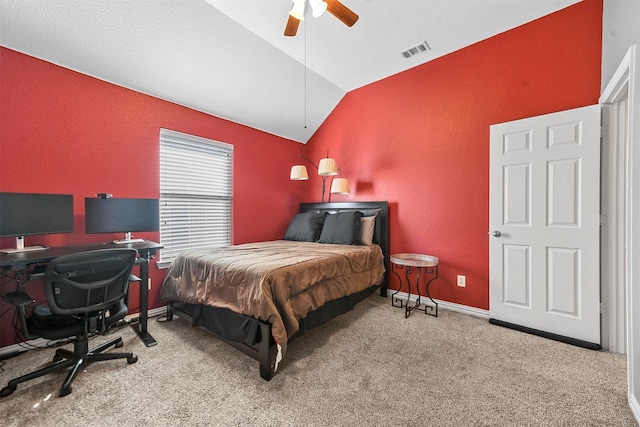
(119, 344)
(132, 359)
(64, 391)
(7, 391)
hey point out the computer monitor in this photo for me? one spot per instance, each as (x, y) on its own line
(28, 214)
(120, 215)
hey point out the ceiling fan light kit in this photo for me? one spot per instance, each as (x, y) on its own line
(297, 11)
(318, 7)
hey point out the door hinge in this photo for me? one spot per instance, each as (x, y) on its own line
(603, 219)
(602, 308)
(604, 131)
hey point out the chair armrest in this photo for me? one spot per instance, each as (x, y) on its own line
(21, 300)
(18, 298)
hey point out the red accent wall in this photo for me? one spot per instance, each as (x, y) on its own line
(420, 139)
(65, 132)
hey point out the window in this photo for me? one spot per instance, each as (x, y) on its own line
(195, 193)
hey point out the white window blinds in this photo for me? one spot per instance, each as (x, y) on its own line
(195, 193)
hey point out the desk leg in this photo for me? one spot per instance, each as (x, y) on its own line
(141, 327)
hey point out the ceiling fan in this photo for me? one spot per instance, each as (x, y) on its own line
(318, 7)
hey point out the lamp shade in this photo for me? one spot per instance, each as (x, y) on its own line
(327, 167)
(340, 186)
(298, 173)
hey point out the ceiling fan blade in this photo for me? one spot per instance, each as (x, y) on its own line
(342, 12)
(292, 26)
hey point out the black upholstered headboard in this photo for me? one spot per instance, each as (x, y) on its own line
(381, 231)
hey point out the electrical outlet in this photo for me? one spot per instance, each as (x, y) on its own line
(149, 283)
(462, 281)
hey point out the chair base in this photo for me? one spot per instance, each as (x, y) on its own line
(75, 360)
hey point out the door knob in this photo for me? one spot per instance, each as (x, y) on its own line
(496, 233)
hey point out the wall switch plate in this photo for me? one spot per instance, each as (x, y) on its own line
(462, 281)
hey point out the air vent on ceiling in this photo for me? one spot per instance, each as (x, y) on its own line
(413, 51)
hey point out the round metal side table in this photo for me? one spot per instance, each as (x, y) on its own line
(426, 264)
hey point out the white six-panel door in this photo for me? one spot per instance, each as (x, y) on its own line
(544, 223)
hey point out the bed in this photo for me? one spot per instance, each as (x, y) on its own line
(258, 297)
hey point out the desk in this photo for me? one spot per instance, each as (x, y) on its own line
(20, 262)
(426, 263)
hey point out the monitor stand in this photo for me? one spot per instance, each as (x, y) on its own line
(20, 247)
(127, 239)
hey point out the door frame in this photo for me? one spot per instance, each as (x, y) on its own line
(626, 82)
(613, 209)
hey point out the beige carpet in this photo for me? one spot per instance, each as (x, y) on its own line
(367, 367)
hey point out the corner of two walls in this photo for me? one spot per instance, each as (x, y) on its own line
(420, 139)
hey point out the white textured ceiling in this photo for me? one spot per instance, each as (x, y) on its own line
(230, 58)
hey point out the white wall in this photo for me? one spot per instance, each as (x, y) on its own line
(620, 29)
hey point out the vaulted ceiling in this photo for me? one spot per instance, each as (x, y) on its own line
(230, 58)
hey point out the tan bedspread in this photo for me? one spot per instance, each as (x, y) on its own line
(279, 281)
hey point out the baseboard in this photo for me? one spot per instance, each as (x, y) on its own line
(151, 313)
(15, 349)
(635, 407)
(451, 306)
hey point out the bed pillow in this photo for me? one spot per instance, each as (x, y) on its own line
(368, 226)
(305, 227)
(342, 228)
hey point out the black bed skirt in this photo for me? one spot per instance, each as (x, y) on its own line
(332, 309)
(246, 330)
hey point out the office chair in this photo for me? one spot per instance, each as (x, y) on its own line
(80, 290)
